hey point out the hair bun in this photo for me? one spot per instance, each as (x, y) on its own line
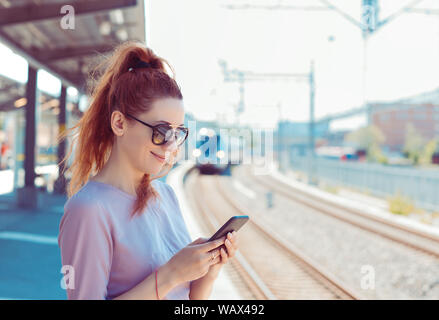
(140, 64)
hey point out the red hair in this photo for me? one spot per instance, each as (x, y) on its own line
(128, 92)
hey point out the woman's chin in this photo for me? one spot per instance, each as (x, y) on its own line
(154, 170)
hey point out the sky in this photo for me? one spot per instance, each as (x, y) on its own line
(193, 35)
(402, 57)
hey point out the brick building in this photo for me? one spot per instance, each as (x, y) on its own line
(422, 111)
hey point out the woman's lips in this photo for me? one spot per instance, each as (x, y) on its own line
(160, 158)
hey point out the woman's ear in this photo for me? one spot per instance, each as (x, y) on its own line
(118, 123)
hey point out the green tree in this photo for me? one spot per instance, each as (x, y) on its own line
(428, 151)
(414, 144)
(369, 138)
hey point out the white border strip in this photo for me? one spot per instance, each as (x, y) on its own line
(21, 236)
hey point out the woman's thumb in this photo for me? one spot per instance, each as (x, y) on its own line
(199, 241)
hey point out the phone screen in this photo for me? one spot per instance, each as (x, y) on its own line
(233, 224)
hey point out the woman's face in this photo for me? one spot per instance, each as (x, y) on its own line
(137, 142)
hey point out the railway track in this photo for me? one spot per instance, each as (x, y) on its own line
(270, 267)
(412, 238)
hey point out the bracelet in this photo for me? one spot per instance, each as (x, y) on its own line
(156, 286)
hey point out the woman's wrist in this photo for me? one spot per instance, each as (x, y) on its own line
(212, 276)
(156, 286)
(214, 271)
(168, 274)
(201, 288)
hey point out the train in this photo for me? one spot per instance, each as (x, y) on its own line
(211, 156)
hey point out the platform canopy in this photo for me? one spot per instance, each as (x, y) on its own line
(13, 97)
(36, 30)
(10, 92)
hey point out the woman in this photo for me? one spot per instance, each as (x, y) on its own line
(122, 233)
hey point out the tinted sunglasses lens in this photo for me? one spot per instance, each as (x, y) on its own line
(164, 134)
(180, 136)
(158, 137)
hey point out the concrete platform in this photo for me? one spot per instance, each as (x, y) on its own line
(30, 263)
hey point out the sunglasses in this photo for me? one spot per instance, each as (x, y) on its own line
(162, 133)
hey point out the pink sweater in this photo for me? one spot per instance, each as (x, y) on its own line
(111, 253)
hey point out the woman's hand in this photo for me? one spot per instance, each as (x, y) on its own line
(231, 246)
(202, 287)
(193, 261)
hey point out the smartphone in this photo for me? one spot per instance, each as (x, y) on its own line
(233, 224)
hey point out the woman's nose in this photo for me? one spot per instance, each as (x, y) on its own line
(171, 145)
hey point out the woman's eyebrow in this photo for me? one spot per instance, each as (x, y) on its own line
(162, 121)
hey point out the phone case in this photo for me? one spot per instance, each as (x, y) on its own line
(233, 224)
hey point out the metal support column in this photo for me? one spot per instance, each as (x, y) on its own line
(27, 196)
(60, 183)
(312, 179)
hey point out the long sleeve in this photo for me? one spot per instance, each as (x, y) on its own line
(86, 245)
